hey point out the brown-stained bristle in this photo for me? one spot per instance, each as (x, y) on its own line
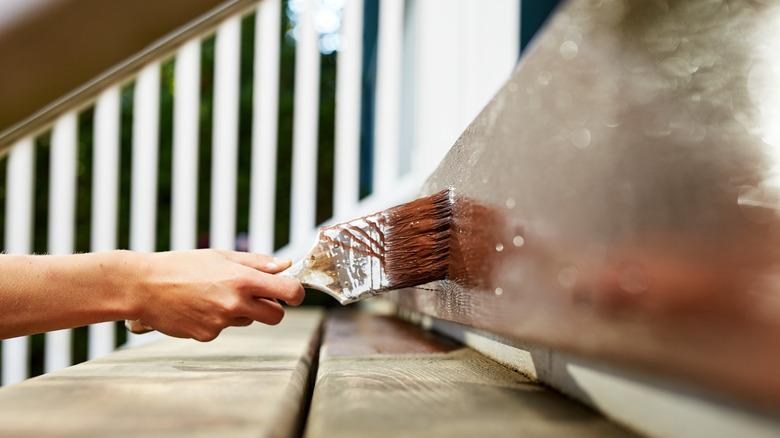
(417, 241)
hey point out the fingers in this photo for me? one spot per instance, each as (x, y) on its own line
(241, 289)
(241, 321)
(260, 262)
(278, 288)
(264, 286)
(293, 292)
(266, 311)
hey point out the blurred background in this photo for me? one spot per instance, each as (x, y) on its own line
(275, 116)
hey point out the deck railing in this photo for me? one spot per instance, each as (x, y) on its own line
(52, 163)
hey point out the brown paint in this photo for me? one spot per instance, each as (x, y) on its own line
(414, 247)
(411, 249)
(417, 241)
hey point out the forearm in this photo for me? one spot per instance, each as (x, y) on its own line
(182, 293)
(44, 293)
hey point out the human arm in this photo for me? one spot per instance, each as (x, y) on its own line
(191, 294)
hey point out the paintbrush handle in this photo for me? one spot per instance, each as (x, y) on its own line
(317, 270)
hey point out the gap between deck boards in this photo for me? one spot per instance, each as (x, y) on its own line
(380, 376)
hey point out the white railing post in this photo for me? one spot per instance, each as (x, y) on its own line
(227, 58)
(105, 197)
(18, 240)
(348, 88)
(305, 125)
(143, 196)
(186, 117)
(62, 218)
(265, 119)
(387, 120)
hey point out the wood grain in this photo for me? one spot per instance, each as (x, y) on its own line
(249, 382)
(397, 380)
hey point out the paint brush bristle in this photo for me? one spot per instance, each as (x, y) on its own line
(417, 241)
(403, 246)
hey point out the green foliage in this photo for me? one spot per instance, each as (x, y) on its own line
(84, 181)
(40, 243)
(206, 127)
(125, 158)
(165, 157)
(285, 130)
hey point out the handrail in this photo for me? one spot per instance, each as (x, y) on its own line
(110, 47)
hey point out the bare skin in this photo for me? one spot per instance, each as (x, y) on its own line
(186, 294)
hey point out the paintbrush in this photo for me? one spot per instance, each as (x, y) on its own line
(404, 246)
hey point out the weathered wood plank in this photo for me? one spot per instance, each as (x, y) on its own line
(650, 406)
(250, 381)
(381, 377)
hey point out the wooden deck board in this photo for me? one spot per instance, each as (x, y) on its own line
(248, 382)
(380, 377)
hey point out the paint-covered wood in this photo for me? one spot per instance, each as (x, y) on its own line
(250, 382)
(381, 377)
(618, 198)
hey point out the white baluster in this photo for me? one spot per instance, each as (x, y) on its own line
(184, 185)
(105, 198)
(227, 58)
(18, 240)
(143, 197)
(62, 218)
(348, 88)
(388, 94)
(265, 127)
(305, 123)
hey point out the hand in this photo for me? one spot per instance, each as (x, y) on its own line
(196, 294)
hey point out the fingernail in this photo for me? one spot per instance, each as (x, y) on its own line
(272, 266)
(281, 261)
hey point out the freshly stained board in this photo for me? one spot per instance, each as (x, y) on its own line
(249, 382)
(615, 202)
(381, 377)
